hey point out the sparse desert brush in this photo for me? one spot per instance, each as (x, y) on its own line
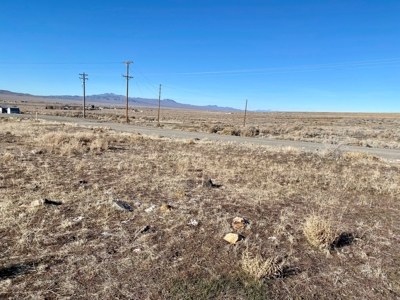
(319, 232)
(259, 267)
(55, 138)
(290, 150)
(249, 131)
(331, 151)
(360, 156)
(99, 144)
(73, 143)
(230, 131)
(214, 128)
(7, 157)
(86, 247)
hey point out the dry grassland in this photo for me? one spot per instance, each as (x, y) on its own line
(318, 225)
(376, 130)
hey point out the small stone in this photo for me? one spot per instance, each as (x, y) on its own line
(82, 182)
(233, 238)
(239, 223)
(150, 209)
(165, 207)
(138, 203)
(33, 187)
(145, 229)
(100, 205)
(121, 205)
(36, 203)
(180, 194)
(109, 192)
(210, 184)
(193, 222)
(51, 202)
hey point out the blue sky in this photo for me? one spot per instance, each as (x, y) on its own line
(280, 55)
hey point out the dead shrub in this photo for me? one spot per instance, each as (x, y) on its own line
(318, 231)
(360, 156)
(331, 151)
(249, 131)
(230, 131)
(99, 144)
(214, 128)
(73, 144)
(7, 157)
(56, 138)
(74, 147)
(258, 267)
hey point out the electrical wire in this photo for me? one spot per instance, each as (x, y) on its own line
(393, 62)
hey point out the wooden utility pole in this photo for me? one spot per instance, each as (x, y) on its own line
(245, 111)
(127, 87)
(84, 78)
(159, 104)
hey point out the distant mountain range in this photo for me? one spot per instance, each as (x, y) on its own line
(112, 99)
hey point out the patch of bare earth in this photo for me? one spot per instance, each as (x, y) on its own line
(134, 217)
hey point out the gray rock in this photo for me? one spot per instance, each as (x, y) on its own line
(122, 206)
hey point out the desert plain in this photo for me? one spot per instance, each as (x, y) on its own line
(91, 213)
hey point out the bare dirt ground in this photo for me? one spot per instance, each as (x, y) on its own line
(319, 224)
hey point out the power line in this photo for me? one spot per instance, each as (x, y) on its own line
(150, 89)
(150, 82)
(58, 63)
(355, 64)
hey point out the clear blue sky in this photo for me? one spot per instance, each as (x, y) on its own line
(281, 55)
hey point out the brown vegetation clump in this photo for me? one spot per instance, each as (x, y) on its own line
(230, 131)
(318, 231)
(7, 157)
(249, 131)
(257, 266)
(67, 145)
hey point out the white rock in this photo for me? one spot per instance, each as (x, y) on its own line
(150, 209)
(193, 222)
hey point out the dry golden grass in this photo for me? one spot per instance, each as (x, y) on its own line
(84, 248)
(257, 266)
(377, 130)
(319, 232)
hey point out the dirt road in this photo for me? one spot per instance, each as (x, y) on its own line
(384, 153)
